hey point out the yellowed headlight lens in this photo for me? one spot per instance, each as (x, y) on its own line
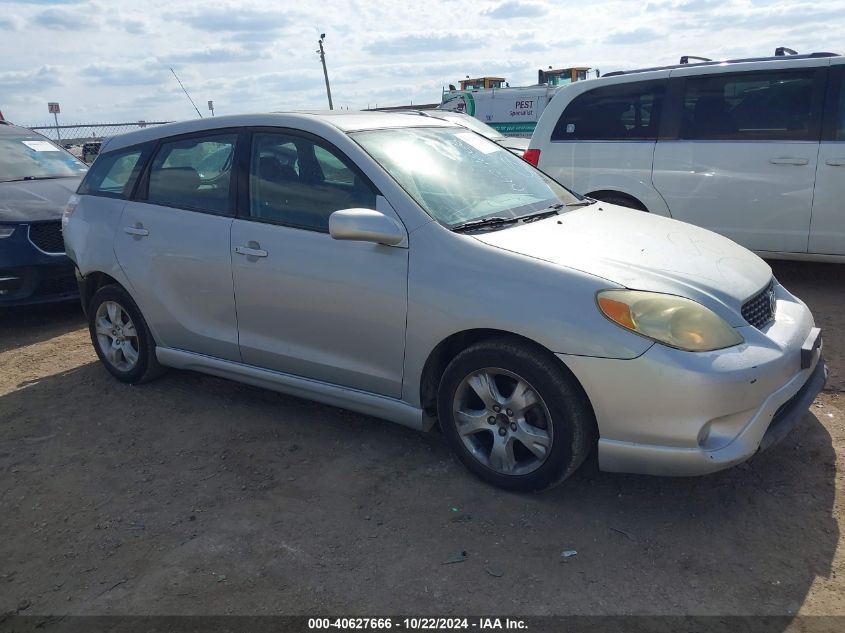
(668, 319)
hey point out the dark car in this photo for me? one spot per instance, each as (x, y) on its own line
(36, 179)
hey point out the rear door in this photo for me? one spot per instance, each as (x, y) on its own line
(827, 228)
(744, 162)
(173, 244)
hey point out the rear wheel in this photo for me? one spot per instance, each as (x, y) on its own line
(514, 416)
(120, 335)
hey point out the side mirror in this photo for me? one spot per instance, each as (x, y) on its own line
(366, 225)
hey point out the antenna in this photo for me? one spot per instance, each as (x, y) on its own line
(186, 92)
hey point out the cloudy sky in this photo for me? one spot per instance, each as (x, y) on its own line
(108, 61)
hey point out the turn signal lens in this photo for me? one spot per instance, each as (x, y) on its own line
(674, 321)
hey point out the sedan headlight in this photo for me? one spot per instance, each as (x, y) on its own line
(6, 230)
(673, 321)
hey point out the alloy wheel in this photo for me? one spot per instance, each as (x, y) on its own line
(502, 421)
(117, 336)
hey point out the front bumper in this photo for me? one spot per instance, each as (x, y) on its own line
(30, 276)
(670, 412)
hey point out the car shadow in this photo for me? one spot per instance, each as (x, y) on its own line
(25, 325)
(160, 490)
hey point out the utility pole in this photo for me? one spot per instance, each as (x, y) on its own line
(325, 72)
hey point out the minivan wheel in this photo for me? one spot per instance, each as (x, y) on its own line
(120, 335)
(514, 416)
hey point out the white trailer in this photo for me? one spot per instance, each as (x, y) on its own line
(512, 111)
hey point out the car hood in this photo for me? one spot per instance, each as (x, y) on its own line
(35, 200)
(642, 251)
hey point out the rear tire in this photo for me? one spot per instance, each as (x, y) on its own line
(542, 424)
(121, 338)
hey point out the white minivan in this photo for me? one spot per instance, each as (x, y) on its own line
(752, 149)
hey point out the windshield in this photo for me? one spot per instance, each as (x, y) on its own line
(30, 156)
(458, 176)
(470, 122)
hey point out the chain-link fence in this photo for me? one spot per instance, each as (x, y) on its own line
(90, 132)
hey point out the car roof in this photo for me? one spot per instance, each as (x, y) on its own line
(344, 120)
(8, 129)
(724, 62)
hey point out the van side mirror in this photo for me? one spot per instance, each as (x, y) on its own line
(366, 225)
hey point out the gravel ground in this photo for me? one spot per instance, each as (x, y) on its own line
(194, 495)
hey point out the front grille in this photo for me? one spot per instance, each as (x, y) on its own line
(47, 236)
(760, 309)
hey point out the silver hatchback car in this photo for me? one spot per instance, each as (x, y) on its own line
(410, 269)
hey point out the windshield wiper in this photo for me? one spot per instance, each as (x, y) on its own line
(42, 177)
(482, 223)
(539, 215)
(586, 202)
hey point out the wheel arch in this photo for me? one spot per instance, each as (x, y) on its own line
(92, 282)
(443, 353)
(601, 194)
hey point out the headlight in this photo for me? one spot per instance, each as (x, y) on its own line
(6, 231)
(673, 321)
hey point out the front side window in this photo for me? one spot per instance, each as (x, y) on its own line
(458, 176)
(113, 174)
(618, 112)
(193, 173)
(29, 156)
(772, 105)
(297, 182)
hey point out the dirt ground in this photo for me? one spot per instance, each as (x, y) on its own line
(194, 495)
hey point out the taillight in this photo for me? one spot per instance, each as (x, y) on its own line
(532, 156)
(70, 207)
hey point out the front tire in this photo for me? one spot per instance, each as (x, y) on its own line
(514, 416)
(120, 335)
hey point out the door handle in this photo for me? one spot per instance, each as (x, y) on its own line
(250, 252)
(835, 162)
(138, 231)
(788, 160)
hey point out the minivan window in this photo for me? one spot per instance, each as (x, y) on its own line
(629, 111)
(771, 105)
(193, 173)
(33, 157)
(113, 174)
(297, 182)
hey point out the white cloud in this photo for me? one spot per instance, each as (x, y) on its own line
(110, 61)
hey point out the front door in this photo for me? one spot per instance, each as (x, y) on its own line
(745, 161)
(173, 245)
(309, 305)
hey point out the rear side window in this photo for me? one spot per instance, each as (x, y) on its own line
(619, 112)
(193, 173)
(834, 127)
(113, 174)
(773, 105)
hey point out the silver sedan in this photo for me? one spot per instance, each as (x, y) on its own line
(410, 269)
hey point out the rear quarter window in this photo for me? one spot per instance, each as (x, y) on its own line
(618, 112)
(113, 174)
